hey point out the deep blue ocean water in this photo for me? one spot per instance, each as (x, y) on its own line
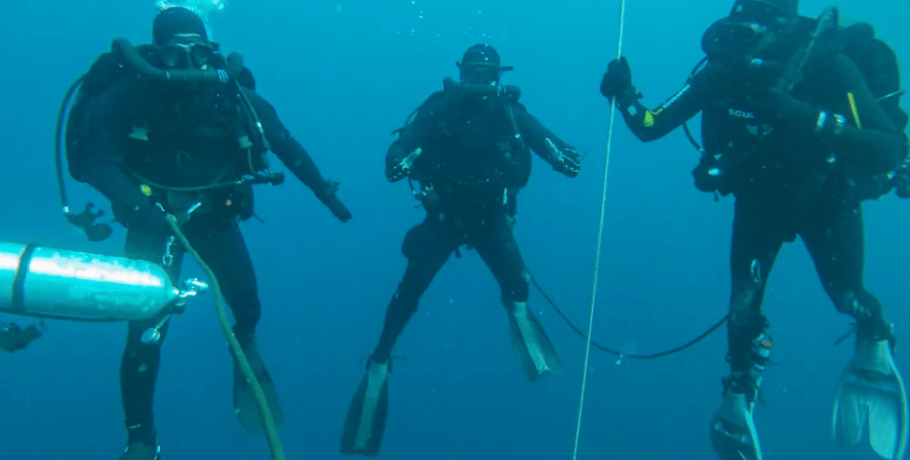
(342, 75)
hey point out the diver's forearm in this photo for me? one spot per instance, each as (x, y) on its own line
(301, 164)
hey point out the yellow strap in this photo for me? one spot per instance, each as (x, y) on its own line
(855, 112)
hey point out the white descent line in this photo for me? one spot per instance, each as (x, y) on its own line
(600, 233)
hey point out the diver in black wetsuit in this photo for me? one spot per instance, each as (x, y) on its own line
(469, 147)
(792, 129)
(192, 150)
(14, 338)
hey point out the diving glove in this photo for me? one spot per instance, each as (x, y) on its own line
(331, 200)
(399, 169)
(776, 107)
(617, 80)
(566, 161)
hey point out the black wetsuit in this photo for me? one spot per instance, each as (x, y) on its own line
(14, 338)
(787, 181)
(185, 143)
(471, 158)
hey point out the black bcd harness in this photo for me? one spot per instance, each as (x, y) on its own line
(505, 95)
(873, 57)
(125, 61)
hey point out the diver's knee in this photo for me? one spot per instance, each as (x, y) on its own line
(405, 300)
(241, 293)
(744, 303)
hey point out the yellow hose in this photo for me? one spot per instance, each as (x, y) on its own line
(271, 432)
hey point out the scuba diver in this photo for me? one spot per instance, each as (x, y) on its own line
(175, 128)
(13, 338)
(469, 148)
(801, 123)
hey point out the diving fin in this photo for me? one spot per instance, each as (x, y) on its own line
(871, 392)
(733, 434)
(535, 352)
(245, 406)
(365, 423)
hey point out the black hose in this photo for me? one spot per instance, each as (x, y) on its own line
(671, 351)
(58, 141)
(191, 76)
(686, 123)
(509, 91)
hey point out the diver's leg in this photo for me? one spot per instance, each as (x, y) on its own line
(870, 390)
(496, 245)
(140, 361)
(220, 244)
(758, 235)
(427, 247)
(835, 243)
(757, 239)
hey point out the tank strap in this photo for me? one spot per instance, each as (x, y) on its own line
(18, 297)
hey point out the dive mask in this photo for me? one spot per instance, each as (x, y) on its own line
(767, 14)
(186, 51)
(752, 26)
(480, 73)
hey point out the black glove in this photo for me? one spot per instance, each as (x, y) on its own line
(334, 204)
(566, 161)
(570, 162)
(86, 221)
(13, 337)
(396, 173)
(775, 107)
(617, 80)
(398, 166)
(338, 209)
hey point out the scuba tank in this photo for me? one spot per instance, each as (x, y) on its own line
(43, 282)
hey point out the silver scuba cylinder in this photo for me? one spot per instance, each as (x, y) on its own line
(78, 286)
